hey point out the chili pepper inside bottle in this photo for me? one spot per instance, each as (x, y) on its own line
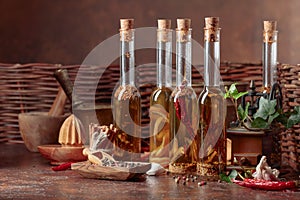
(183, 106)
(159, 100)
(269, 55)
(212, 106)
(127, 99)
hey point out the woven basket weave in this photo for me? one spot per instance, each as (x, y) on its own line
(32, 87)
(289, 77)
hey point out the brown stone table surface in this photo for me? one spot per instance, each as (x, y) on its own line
(26, 175)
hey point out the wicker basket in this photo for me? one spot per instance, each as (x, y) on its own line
(289, 77)
(32, 87)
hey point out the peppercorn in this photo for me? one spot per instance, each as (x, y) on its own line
(202, 183)
(183, 183)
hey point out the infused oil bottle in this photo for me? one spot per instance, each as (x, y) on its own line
(212, 107)
(159, 100)
(127, 99)
(183, 106)
(269, 55)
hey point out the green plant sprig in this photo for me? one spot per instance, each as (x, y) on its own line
(266, 114)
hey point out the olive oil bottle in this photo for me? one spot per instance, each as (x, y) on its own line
(212, 106)
(127, 99)
(183, 106)
(159, 100)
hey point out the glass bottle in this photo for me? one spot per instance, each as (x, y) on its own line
(159, 100)
(212, 106)
(127, 99)
(269, 55)
(183, 106)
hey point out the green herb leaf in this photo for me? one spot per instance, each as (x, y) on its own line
(233, 174)
(243, 113)
(294, 118)
(233, 92)
(225, 178)
(240, 94)
(259, 123)
(266, 108)
(272, 117)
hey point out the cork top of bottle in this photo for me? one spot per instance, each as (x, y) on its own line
(183, 24)
(270, 26)
(126, 24)
(164, 24)
(211, 22)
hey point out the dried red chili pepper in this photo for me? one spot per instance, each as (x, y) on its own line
(178, 110)
(266, 185)
(62, 167)
(182, 115)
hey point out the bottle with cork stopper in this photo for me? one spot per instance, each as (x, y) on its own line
(212, 107)
(269, 55)
(183, 106)
(126, 103)
(159, 99)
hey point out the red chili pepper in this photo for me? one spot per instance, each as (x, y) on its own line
(177, 108)
(62, 167)
(183, 116)
(266, 185)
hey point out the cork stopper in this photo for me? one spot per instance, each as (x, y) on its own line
(126, 24)
(211, 22)
(183, 24)
(270, 32)
(211, 29)
(164, 24)
(270, 26)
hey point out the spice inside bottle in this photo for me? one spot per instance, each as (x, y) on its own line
(183, 106)
(127, 99)
(212, 107)
(159, 99)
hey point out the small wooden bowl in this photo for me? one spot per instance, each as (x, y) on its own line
(60, 154)
(38, 128)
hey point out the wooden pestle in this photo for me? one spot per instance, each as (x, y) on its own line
(58, 106)
(65, 82)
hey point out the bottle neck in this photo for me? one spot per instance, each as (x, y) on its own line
(164, 58)
(212, 59)
(269, 59)
(183, 57)
(127, 57)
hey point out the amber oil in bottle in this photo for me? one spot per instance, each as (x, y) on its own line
(127, 99)
(212, 106)
(183, 106)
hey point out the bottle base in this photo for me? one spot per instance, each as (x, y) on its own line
(182, 168)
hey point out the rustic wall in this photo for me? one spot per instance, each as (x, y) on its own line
(65, 31)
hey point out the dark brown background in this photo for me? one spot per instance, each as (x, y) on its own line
(65, 31)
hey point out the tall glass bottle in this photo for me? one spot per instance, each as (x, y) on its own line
(127, 99)
(269, 55)
(159, 100)
(183, 106)
(212, 106)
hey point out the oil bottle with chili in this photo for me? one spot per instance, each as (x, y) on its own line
(183, 106)
(159, 99)
(212, 107)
